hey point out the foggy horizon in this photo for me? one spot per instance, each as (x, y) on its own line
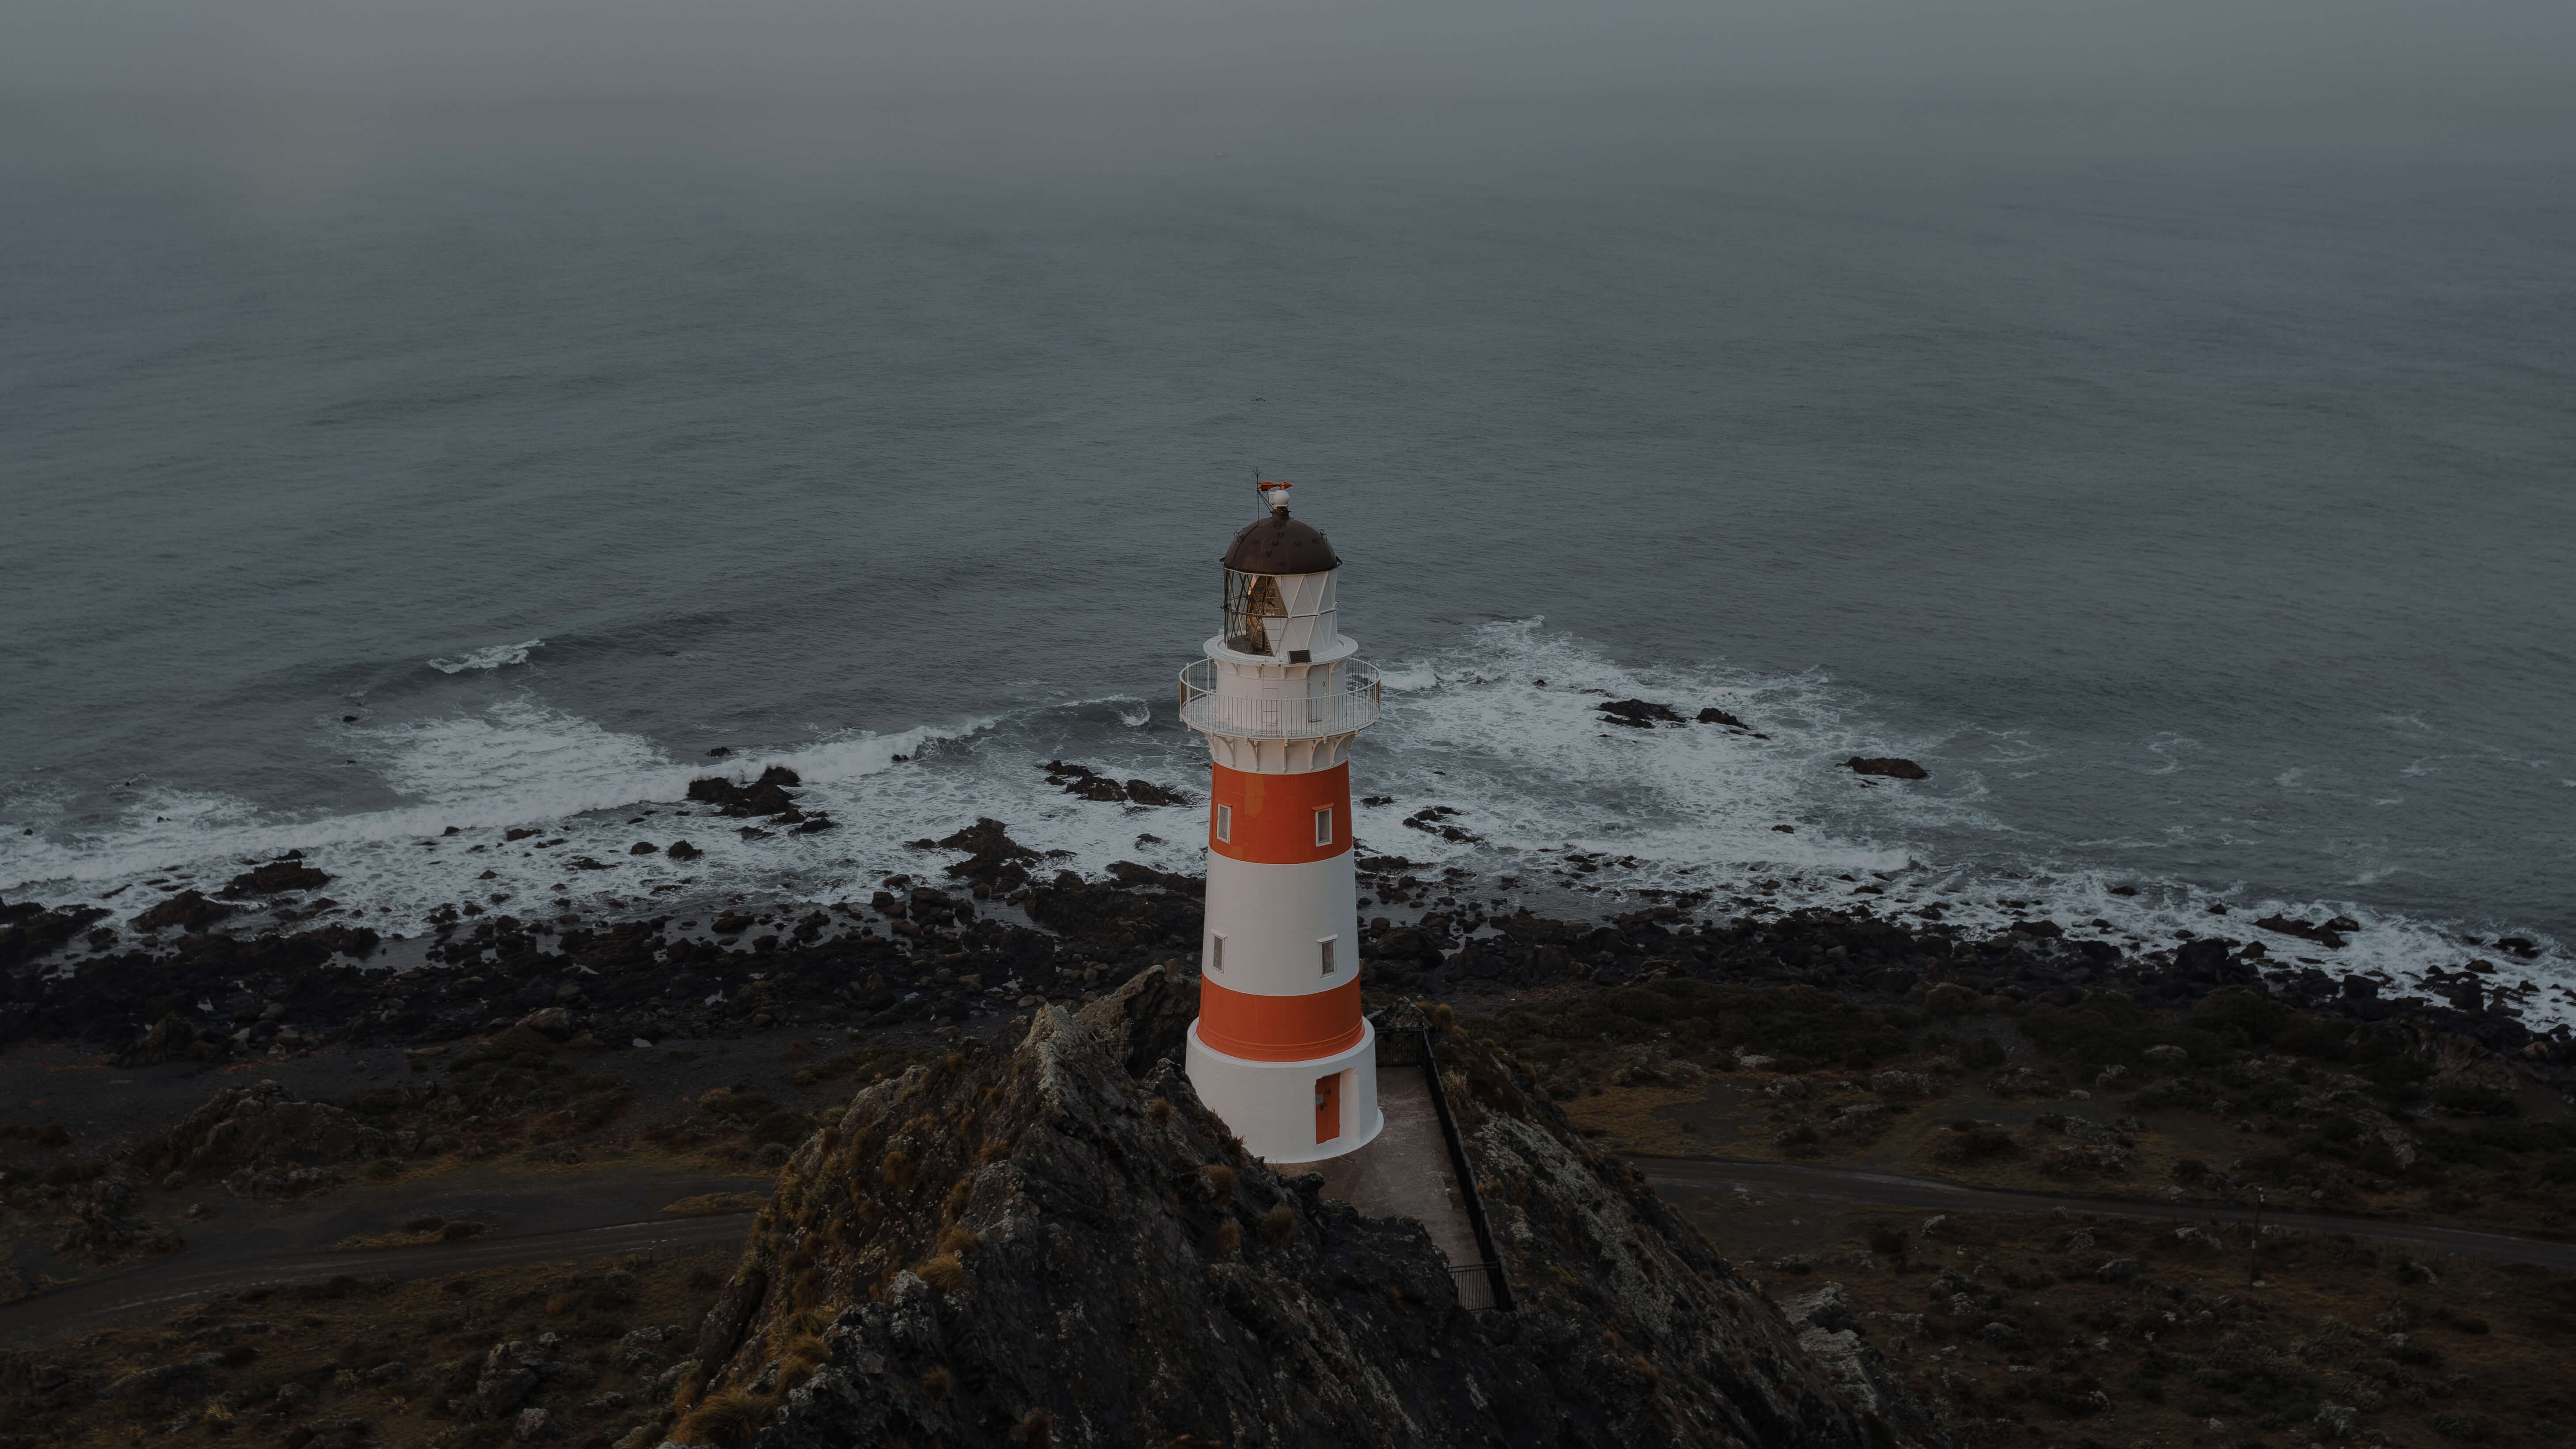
(2388, 57)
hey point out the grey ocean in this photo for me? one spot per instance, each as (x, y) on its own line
(2203, 526)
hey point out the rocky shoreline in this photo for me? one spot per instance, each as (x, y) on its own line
(985, 929)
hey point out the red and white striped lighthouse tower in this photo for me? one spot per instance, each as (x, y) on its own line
(1280, 1049)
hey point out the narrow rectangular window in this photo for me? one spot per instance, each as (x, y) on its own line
(1216, 953)
(1324, 826)
(1225, 823)
(1327, 944)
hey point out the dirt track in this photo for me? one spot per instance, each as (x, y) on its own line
(146, 1288)
(1881, 1189)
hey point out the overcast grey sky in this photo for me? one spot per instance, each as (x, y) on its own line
(2222, 51)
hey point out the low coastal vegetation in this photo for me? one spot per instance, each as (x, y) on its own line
(582, 1352)
(2076, 1329)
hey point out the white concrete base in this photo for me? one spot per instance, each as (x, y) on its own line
(1271, 1105)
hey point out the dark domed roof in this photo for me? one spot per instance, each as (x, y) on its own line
(1280, 545)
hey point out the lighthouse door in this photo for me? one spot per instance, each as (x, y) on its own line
(1328, 1108)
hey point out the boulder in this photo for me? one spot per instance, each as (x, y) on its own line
(188, 910)
(511, 1372)
(1638, 713)
(1888, 766)
(276, 877)
(170, 1039)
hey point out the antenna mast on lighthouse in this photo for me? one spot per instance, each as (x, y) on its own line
(1280, 1050)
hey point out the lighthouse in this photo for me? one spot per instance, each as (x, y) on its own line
(1280, 1050)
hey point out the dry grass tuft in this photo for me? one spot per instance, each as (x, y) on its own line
(1279, 1226)
(1220, 1181)
(958, 1197)
(938, 1383)
(1037, 1428)
(959, 1239)
(729, 1418)
(944, 1273)
(1160, 1112)
(896, 1169)
(1647, 1374)
(1229, 1236)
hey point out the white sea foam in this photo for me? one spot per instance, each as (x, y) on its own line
(1533, 773)
(497, 656)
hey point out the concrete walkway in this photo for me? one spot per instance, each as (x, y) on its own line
(1405, 1172)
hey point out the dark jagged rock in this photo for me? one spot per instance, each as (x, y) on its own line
(764, 796)
(1888, 766)
(1128, 872)
(1086, 783)
(1716, 716)
(1146, 1020)
(287, 874)
(28, 930)
(188, 910)
(2328, 935)
(1638, 713)
(683, 850)
(993, 857)
(1041, 1237)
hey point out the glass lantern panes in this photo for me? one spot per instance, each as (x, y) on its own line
(1250, 598)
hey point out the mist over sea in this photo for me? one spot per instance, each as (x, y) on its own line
(2196, 509)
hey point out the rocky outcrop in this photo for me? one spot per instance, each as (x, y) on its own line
(1145, 1020)
(1828, 1325)
(288, 873)
(258, 1127)
(28, 930)
(1040, 1243)
(1086, 783)
(1638, 713)
(764, 796)
(1888, 766)
(188, 910)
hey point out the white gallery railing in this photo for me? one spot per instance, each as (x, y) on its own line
(1350, 703)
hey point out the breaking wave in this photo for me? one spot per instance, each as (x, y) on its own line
(498, 656)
